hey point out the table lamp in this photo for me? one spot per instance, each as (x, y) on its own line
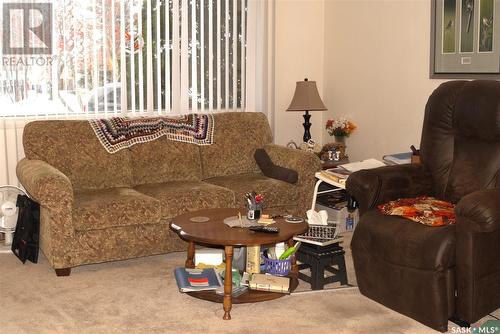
(306, 98)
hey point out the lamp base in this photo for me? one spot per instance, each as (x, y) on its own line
(307, 127)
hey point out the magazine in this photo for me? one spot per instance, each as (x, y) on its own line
(364, 164)
(189, 280)
(398, 158)
(237, 290)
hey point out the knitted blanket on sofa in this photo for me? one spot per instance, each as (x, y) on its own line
(117, 133)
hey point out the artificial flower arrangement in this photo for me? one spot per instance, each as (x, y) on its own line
(340, 127)
(254, 199)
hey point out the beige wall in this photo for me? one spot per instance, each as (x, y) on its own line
(377, 71)
(299, 54)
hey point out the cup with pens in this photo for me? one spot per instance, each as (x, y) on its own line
(254, 205)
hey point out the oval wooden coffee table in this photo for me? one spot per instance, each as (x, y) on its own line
(215, 233)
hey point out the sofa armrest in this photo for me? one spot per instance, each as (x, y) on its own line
(479, 211)
(46, 185)
(54, 192)
(371, 187)
(305, 163)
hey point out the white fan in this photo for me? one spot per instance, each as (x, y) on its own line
(8, 211)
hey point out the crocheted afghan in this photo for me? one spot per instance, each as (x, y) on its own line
(117, 133)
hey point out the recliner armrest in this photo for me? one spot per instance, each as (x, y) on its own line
(371, 187)
(481, 210)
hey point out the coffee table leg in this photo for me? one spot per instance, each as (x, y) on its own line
(295, 267)
(228, 283)
(190, 256)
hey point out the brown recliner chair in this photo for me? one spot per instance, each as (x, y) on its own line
(432, 274)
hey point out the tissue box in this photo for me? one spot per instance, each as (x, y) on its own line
(341, 215)
(334, 214)
(209, 256)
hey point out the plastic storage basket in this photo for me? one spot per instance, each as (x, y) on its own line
(277, 267)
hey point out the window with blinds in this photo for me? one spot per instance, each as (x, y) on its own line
(134, 56)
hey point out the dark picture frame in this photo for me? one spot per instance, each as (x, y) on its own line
(465, 39)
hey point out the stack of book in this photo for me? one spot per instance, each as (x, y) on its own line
(270, 283)
(340, 173)
(398, 158)
(337, 174)
(190, 280)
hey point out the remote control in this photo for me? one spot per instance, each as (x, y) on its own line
(266, 229)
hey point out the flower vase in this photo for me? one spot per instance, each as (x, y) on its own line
(340, 140)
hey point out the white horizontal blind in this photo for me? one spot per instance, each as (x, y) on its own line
(137, 57)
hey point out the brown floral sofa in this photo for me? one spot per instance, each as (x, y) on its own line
(97, 206)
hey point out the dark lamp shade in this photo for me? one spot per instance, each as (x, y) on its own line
(306, 97)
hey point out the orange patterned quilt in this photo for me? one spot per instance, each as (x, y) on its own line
(424, 210)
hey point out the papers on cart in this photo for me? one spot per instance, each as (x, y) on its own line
(364, 164)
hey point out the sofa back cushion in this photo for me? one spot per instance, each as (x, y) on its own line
(72, 147)
(236, 137)
(461, 137)
(164, 160)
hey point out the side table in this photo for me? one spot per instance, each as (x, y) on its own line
(336, 187)
(214, 232)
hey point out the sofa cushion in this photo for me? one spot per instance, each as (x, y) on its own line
(73, 148)
(164, 160)
(178, 197)
(236, 136)
(402, 242)
(276, 193)
(100, 209)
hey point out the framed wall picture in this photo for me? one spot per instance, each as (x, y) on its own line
(465, 39)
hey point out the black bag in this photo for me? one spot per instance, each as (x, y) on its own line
(26, 237)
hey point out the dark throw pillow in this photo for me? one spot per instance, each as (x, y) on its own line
(269, 169)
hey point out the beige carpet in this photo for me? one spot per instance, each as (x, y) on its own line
(141, 296)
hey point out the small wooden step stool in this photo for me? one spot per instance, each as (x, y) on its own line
(319, 259)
